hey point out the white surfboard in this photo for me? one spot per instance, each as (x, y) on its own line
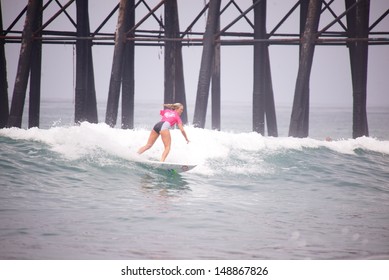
(171, 167)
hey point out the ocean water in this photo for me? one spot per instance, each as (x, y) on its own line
(79, 192)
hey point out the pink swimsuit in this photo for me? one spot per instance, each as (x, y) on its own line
(170, 116)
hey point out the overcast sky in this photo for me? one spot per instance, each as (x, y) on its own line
(330, 77)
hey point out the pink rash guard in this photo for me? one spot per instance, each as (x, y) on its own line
(170, 116)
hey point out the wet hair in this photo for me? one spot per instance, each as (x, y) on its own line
(174, 106)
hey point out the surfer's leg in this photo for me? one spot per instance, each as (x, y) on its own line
(152, 138)
(166, 139)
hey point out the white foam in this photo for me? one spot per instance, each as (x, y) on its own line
(206, 147)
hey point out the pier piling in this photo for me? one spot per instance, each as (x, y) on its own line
(174, 89)
(117, 65)
(207, 60)
(300, 111)
(128, 75)
(4, 108)
(85, 93)
(263, 99)
(35, 74)
(24, 64)
(216, 85)
(358, 24)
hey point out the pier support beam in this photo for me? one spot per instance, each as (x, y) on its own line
(128, 79)
(358, 27)
(174, 71)
(35, 75)
(259, 87)
(304, 4)
(19, 93)
(263, 97)
(117, 64)
(300, 111)
(85, 99)
(4, 107)
(207, 60)
(270, 107)
(216, 86)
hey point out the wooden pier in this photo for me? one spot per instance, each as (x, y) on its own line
(357, 35)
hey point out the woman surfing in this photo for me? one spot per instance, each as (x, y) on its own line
(170, 117)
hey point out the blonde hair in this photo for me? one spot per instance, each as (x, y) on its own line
(174, 106)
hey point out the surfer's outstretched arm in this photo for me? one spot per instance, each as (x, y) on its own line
(181, 127)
